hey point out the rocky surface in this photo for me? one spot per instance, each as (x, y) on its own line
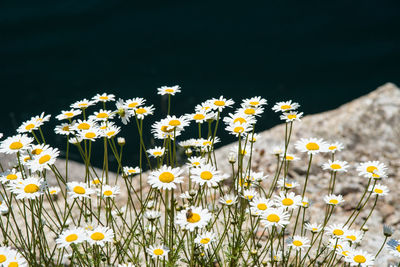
(369, 127)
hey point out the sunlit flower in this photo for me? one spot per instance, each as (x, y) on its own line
(261, 204)
(45, 159)
(255, 101)
(336, 230)
(174, 122)
(287, 183)
(379, 189)
(336, 166)
(238, 128)
(206, 174)
(372, 169)
(102, 115)
(100, 235)
(158, 252)
(288, 200)
(353, 236)
(221, 103)
(92, 134)
(134, 102)
(336, 146)
(249, 194)
(251, 111)
(131, 170)
(291, 116)
(10, 176)
(64, 129)
(200, 116)
(29, 188)
(196, 162)
(15, 259)
(285, 106)
(83, 125)
(311, 145)
(82, 104)
(79, 190)
(108, 191)
(228, 199)
(54, 190)
(359, 258)
(394, 247)
(313, 227)
(68, 114)
(204, 106)
(193, 217)
(111, 131)
(71, 236)
(16, 143)
(103, 97)
(275, 217)
(29, 126)
(142, 112)
(333, 199)
(290, 157)
(239, 118)
(156, 152)
(169, 90)
(205, 239)
(165, 178)
(298, 242)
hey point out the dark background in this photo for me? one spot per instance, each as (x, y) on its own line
(319, 53)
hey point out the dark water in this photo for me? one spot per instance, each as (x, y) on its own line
(319, 53)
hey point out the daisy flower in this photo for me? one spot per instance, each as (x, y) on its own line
(29, 188)
(169, 90)
(372, 169)
(111, 131)
(91, 134)
(42, 118)
(288, 200)
(379, 189)
(255, 101)
(204, 106)
(5, 254)
(82, 104)
(103, 97)
(141, 112)
(123, 112)
(336, 166)
(261, 204)
(290, 157)
(251, 111)
(353, 236)
(278, 150)
(228, 199)
(42, 161)
(305, 203)
(176, 122)
(285, 106)
(131, 170)
(199, 116)
(64, 129)
(3, 206)
(79, 190)
(16, 143)
(342, 249)
(360, 258)
(298, 242)
(221, 103)
(249, 194)
(193, 217)
(393, 246)
(29, 126)
(15, 259)
(71, 236)
(196, 162)
(152, 215)
(100, 235)
(238, 128)
(134, 103)
(333, 200)
(162, 130)
(102, 115)
(83, 125)
(287, 183)
(333, 147)
(311, 145)
(205, 239)
(10, 176)
(165, 178)
(253, 137)
(206, 174)
(239, 118)
(275, 217)
(68, 114)
(291, 116)
(54, 190)
(108, 191)
(313, 227)
(158, 252)
(156, 152)
(336, 230)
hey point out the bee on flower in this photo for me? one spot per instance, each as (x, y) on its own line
(193, 217)
(123, 111)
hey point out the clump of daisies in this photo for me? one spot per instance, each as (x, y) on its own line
(156, 212)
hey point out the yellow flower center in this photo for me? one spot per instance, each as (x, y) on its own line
(333, 201)
(13, 264)
(398, 248)
(79, 190)
(169, 90)
(205, 240)
(103, 97)
(83, 104)
(68, 114)
(207, 143)
(297, 243)
(378, 190)
(90, 135)
(238, 129)
(336, 166)
(133, 104)
(262, 206)
(12, 176)
(16, 145)
(359, 259)
(174, 123)
(194, 218)
(332, 147)
(338, 232)
(240, 119)
(165, 129)
(44, 159)
(206, 175)
(158, 251)
(131, 171)
(53, 192)
(371, 169)
(198, 117)
(29, 126)
(108, 193)
(102, 115)
(219, 103)
(249, 111)
(37, 151)
(288, 184)
(31, 188)
(97, 236)
(285, 107)
(3, 258)
(71, 238)
(312, 146)
(196, 163)
(287, 202)
(26, 159)
(84, 126)
(351, 237)
(111, 133)
(229, 201)
(141, 111)
(291, 116)
(273, 218)
(314, 229)
(375, 175)
(166, 177)
(157, 153)
(96, 181)
(254, 103)
(65, 128)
